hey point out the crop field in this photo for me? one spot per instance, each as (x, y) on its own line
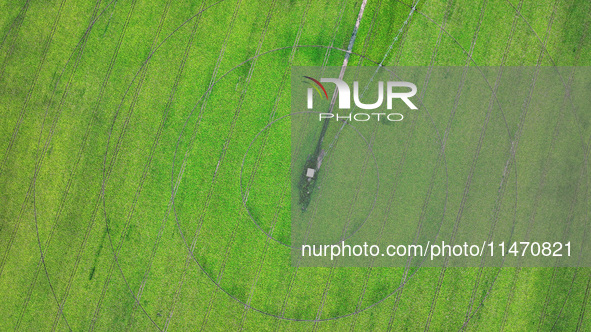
(146, 150)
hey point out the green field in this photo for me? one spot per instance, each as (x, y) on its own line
(124, 136)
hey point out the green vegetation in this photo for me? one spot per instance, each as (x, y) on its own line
(128, 196)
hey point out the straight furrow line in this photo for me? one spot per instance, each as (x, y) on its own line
(571, 214)
(581, 320)
(426, 202)
(251, 179)
(398, 175)
(542, 180)
(41, 262)
(503, 60)
(97, 204)
(388, 209)
(295, 273)
(175, 187)
(160, 129)
(367, 40)
(570, 218)
(181, 171)
(203, 106)
(18, 22)
(262, 260)
(440, 157)
(343, 234)
(334, 140)
(17, 128)
(546, 300)
(344, 66)
(336, 30)
(400, 165)
(152, 149)
(271, 116)
(111, 166)
(474, 160)
(41, 159)
(154, 144)
(510, 162)
(325, 60)
(221, 159)
(103, 85)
